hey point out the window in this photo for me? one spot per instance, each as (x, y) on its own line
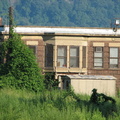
(62, 56)
(49, 55)
(33, 48)
(113, 57)
(98, 57)
(74, 56)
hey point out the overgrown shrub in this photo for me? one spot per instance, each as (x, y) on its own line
(106, 104)
(20, 68)
(50, 81)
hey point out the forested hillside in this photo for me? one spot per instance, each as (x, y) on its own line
(77, 13)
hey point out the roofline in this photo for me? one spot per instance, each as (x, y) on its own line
(60, 27)
(63, 31)
(65, 34)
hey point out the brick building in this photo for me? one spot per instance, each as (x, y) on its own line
(70, 50)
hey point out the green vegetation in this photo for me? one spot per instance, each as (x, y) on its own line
(78, 13)
(50, 82)
(20, 68)
(22, 92)
(52, 105)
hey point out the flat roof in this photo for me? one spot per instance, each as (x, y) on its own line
(61, 30)
(92, 77)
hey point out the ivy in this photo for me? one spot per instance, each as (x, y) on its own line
(20, 64)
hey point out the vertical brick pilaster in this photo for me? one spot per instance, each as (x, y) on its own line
(106, 56)
(90, 55)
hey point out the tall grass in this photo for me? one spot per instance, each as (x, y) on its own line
(50, 105)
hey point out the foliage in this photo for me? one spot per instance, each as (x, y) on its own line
(118, 92)
(100, 98)
(82, 13)
(50, 82)
(52, 105)
(103, 102)
(20, 68)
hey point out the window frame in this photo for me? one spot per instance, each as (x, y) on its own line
(76, 58)
(34, 50)
(64, 57)
(115, 58)
(99, 57)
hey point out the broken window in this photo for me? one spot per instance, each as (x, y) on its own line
(113, 57)
(98, 57)
(74, 56)
(62, 56)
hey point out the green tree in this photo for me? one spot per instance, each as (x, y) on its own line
(20, 69)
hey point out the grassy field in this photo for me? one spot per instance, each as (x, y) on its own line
(53, 105)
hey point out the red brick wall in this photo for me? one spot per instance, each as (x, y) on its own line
(40, 51)
(105, 70)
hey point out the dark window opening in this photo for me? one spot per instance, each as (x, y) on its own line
(84, 57)
(49, 55)
(34, 49)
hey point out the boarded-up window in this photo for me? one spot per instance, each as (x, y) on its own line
(84, 57)
(62, 56)
(49, 55)
(113, 57)
(74, 56)
(98, 57)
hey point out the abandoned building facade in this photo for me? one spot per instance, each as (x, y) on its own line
(74, 51)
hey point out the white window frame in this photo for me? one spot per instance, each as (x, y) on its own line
(113, 57)
(62, 59)
(74, 57)
(98, 57)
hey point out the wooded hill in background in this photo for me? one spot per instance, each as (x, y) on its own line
(75, 13)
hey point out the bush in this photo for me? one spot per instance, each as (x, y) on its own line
(20, 68)
(50, 82)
